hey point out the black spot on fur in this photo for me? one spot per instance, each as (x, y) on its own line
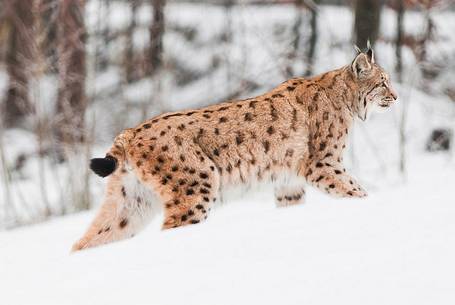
(123, 223)
(204, 191)
(273, 112)
(203, 175)
(216, 152)
(266, 145)
(248, 116)
(223, 119)
(319, 178)
(199, 206)
(103, 167)
(178, 140)
(207, 185)
(239, 138)
(189, 192)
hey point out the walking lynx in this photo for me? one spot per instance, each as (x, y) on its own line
(184, 159)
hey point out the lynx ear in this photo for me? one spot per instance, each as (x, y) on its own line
(357, 49)
(370, 52)
(360, 65)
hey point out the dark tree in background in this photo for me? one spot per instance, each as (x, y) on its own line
(313, 40)
(19, 18)
(131, 72)
(156, 37)
(48, 10)
(71, 101)
(366, 24)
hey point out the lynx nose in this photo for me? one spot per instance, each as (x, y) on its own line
(394, 94)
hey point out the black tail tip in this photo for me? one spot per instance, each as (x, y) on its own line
(103, 167)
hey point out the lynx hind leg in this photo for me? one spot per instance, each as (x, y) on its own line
(193, 200)
(187, 184)
(127, 208)
(287, 195)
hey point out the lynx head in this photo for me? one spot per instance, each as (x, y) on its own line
(375, 90)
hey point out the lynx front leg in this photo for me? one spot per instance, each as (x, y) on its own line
(333, 179)
(126, 210)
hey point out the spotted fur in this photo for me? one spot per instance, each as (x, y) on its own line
(184, 159)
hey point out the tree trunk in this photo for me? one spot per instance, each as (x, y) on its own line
(19, 60)
(399, 71)
(48, 33)
(71, 101)
(155, 50)
(129, 60)
(399, 41)
(366, 24)
(312, 42)
(294, 50)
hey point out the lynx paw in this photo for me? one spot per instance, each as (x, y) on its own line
(287, 196)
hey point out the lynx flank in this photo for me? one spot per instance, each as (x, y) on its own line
(185, 159)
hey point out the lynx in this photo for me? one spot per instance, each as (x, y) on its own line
(184, 159)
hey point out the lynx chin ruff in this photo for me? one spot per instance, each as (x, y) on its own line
(182, 160)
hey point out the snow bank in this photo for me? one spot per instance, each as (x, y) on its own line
(395, 247)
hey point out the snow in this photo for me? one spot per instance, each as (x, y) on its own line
(394, 247)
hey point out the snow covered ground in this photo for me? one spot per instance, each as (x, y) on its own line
(395, 247)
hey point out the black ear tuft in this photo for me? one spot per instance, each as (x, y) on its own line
(103, 167)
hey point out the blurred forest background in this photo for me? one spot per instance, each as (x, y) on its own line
(74, 73)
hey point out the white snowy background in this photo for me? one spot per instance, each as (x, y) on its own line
(397, 246)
